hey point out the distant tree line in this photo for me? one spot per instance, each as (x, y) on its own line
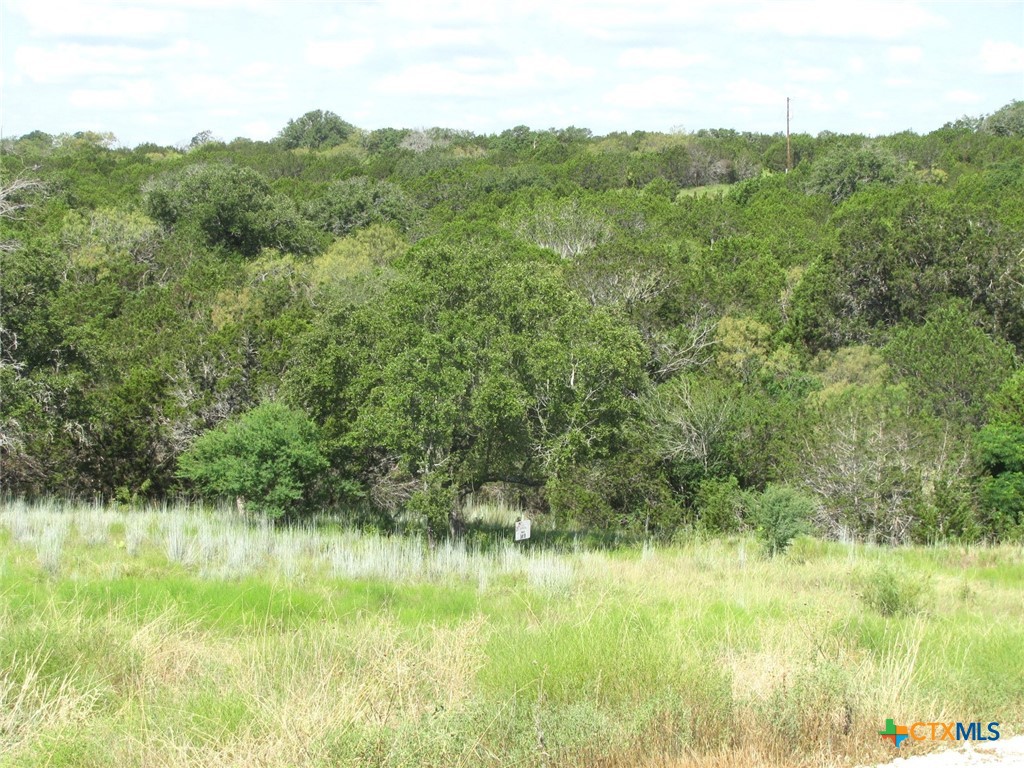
(646, 331)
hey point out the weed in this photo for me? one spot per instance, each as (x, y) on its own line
(893, 592)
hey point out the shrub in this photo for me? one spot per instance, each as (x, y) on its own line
(808, 710)
(721, 504)
(229, 206)
(268, 459)
(893, 593)
(844, 170)
(782, 513)
(1000, 449)
(352, 204)
(315, 130)
(433, 506)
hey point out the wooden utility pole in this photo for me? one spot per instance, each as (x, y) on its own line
(789, 147)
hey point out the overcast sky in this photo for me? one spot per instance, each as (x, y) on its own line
(164, 70)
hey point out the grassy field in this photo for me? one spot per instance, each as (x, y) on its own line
(710, 189)
(183, 637)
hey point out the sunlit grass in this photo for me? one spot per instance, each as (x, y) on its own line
(709, 189)
(184, 636)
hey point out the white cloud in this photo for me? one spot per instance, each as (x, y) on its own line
(868, 20)
(215, 89)
(608, 64)
(439, 38)
(256, 69)
(963, 97)
(750, 93)
(810, 100)
(597, 115)
(53, 18)
(129, 95)
(452, 13)
(338, 54)
(434, 80)
(478, 64)
(905, 54)
(245, 6)
(466, 77)
(126, 19)
(72, 62)
(659, 58)
(660, 91)
(1001, 58)
(616, 20)
(259, 130)
(535, 114)
(803, 74)
(242, 89)
(538, 66)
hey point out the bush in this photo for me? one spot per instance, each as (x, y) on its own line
(1000, 449)
(720, 504)
(268, 459)
(844, 170)
(949, 514)
(315, 130)
(230, 206)
(782, 513)
(893, 593)
(352, 204)
(433, 506)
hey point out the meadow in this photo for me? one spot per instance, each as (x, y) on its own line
(184, 636)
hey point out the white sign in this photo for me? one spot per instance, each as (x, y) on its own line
(522, 530)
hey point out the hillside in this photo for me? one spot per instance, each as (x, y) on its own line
(645, 331)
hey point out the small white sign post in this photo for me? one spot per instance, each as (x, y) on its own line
(522, 530)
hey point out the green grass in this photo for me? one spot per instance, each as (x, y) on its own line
(183, 637)
(709, 189)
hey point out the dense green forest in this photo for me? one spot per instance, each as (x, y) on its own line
(649, 331)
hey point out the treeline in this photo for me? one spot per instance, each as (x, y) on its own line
(634, 330)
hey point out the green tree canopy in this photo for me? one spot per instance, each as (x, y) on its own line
(951, 364)
(843, 171)
(268, 459)
(1007, 121)
(355, 203)
(230, 206)
(315, 130)
(476, 364)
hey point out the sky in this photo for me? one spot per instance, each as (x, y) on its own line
(165, 70)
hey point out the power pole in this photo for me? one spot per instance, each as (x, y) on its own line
(789, 147)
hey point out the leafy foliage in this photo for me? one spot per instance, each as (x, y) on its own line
(229, 206)
(782, 513)
(843, 171)
(268, 459)
(355, 203)
(566, 317)
(950, 363)
(1008, 121)
(479, 364)
(316, 129)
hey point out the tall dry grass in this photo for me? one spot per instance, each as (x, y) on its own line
(186, 637)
